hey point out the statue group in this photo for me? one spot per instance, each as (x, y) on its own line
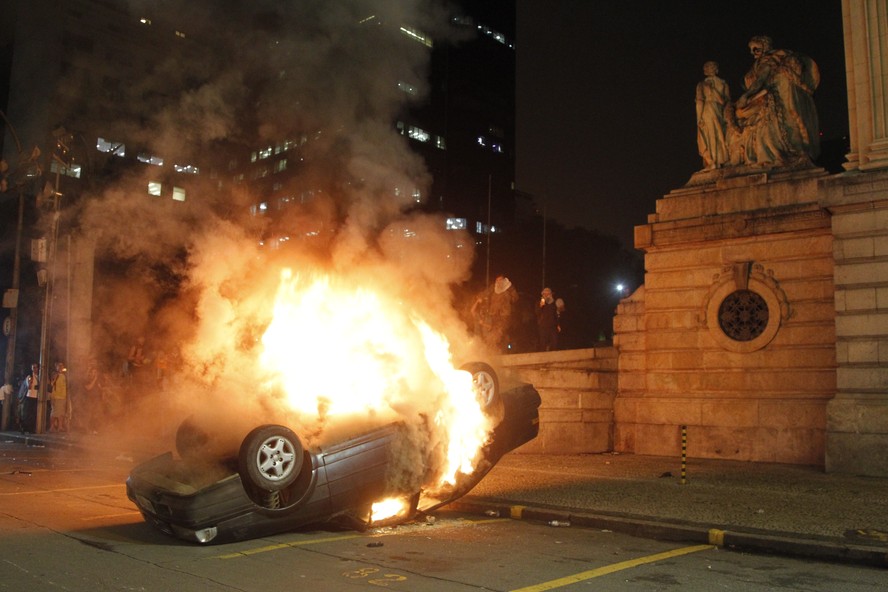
(772, 124)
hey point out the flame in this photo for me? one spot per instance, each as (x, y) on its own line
(340, 349)
(388, 508)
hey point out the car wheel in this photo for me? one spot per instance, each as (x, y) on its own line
(270, 457)
(486, 385)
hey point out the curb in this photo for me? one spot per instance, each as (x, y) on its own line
(763, 542)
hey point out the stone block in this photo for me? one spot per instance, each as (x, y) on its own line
(631, 361)
(883, 350)
(657, 440)
(860, 299)
(880, 246)
(575, 438)
(822, 356)
(730, 412)
(882, 297)
(790, 446)
(842, 352)
(672, 319)
(857, 454)
(598, 416)
(626, 410)
(862, 352)
(560, 416)
(853, 378)
(858, 414)
(862, 272)
(633, 381)
(793, 414)
(855, 223)
(856, 325)
(669, 411)
(559, 398)
(855, 248)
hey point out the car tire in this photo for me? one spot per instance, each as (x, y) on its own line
(270, 457)
(486, 385)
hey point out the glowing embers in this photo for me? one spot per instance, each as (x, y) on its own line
(343, 351)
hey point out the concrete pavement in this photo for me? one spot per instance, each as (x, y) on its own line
(758, 507)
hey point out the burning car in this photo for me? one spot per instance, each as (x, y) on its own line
(276, 480)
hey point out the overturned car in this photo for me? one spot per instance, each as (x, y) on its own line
(272, 482)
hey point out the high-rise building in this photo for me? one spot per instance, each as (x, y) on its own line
(147, 114)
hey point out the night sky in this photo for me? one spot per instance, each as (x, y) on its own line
(605, 94)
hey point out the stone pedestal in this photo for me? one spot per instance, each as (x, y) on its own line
(733, 334)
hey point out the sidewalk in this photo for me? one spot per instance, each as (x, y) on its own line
(767, 508)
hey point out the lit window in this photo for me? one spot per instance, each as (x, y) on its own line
(178, 194)
(498, 148)
(417, 36)
(253, 157)
(186, 168)
(145, 21)
(154, 188)
(149, 159)
(456, 224)
(417, 195)
(440, 143)
(72, 170)
(180, 35)
(281, 165)
(482, 141)
(418, 134)
(265, 152)
(115, 148)
(400, 127)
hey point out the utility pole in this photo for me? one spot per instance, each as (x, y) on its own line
(26, 169)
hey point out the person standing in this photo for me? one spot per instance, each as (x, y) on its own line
(547, 321)
(59, 413)
(28, 413)
(493, 309)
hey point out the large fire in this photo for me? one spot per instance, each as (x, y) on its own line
(341, 350)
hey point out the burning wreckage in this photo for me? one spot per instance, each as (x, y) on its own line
(232, 479)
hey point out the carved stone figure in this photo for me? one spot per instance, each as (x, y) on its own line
(775, 119)
(712, 98)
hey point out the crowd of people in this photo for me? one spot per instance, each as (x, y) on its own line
(100, 395)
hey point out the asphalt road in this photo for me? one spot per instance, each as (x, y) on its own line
(65, 524)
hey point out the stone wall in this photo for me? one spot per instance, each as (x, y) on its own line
(858, 416)
(761, 397)
(577, 388)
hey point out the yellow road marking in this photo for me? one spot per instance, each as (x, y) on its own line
(609, 569)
